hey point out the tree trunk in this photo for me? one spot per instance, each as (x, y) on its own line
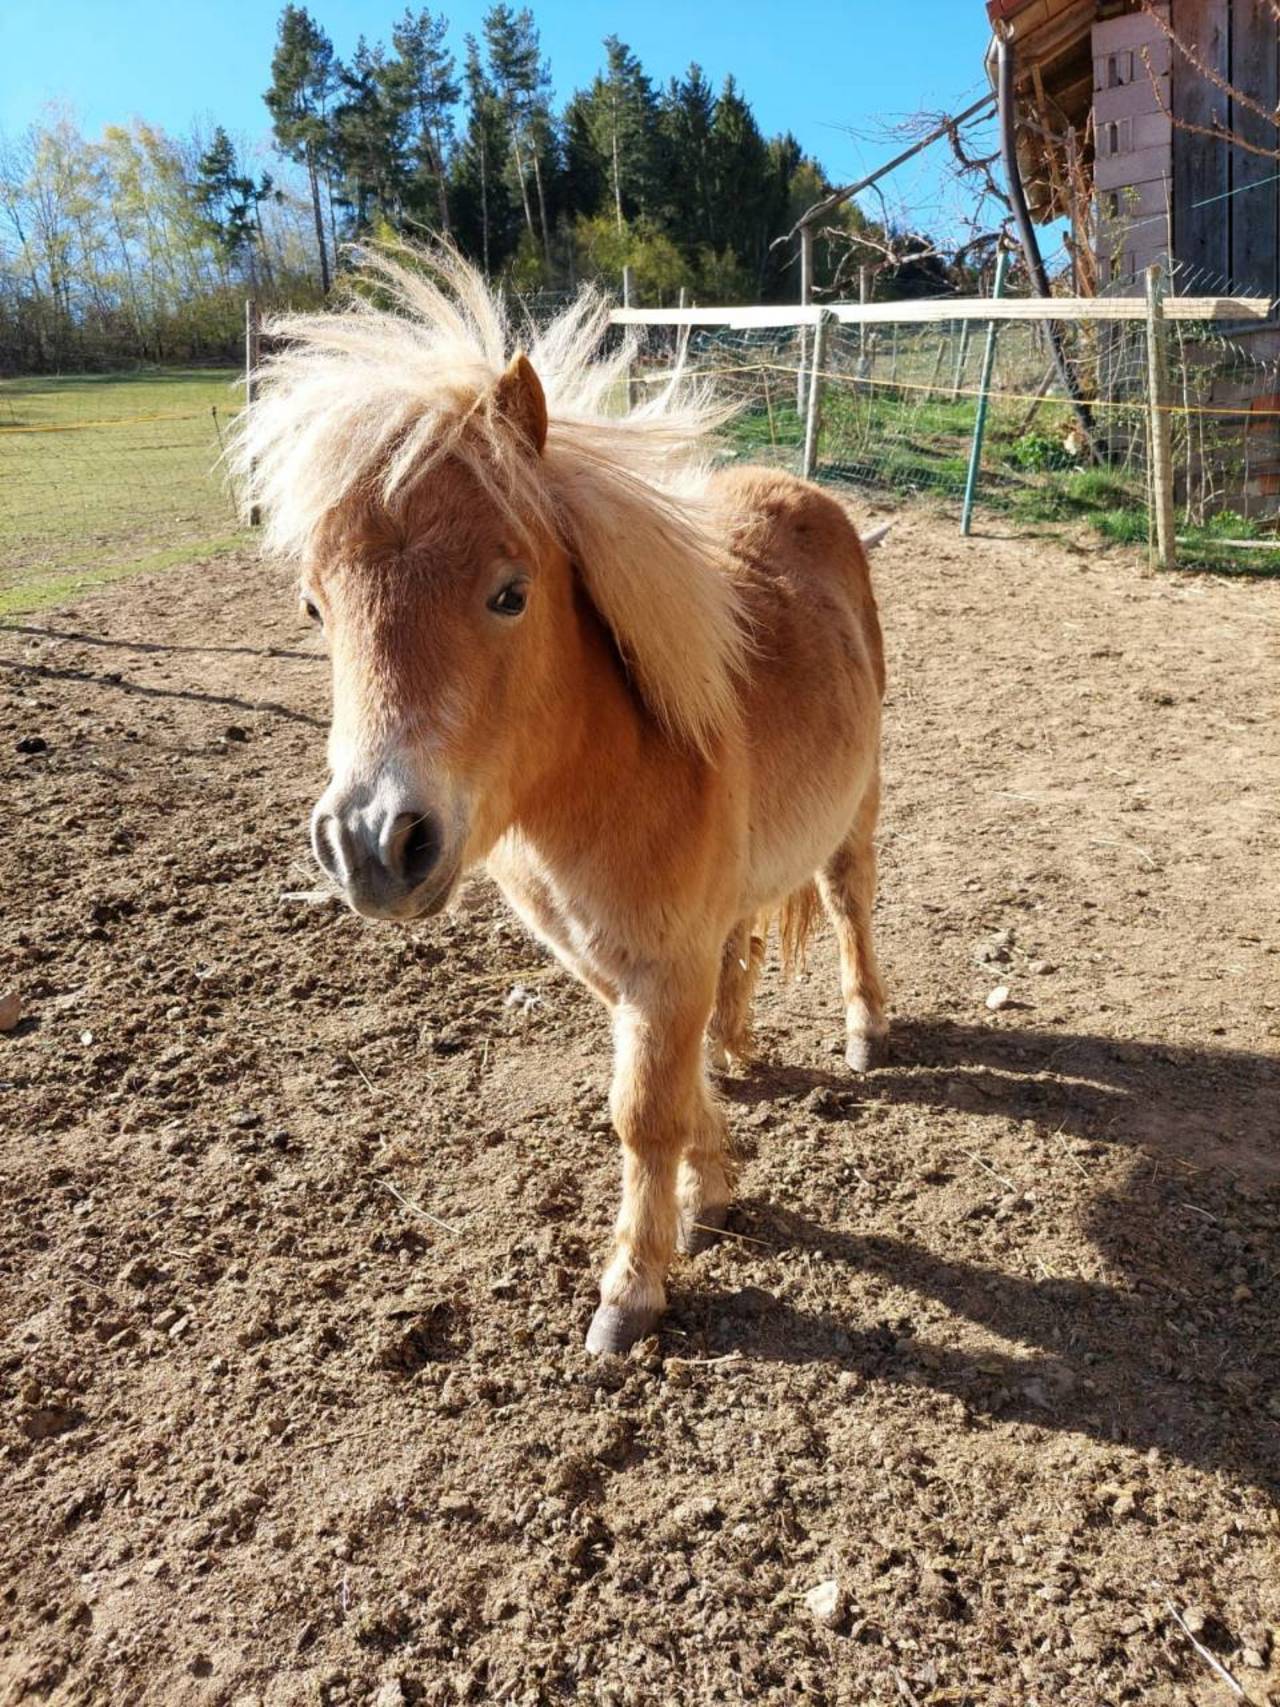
(617, 179)
(484, 203)
(319, 218)
(542, 212)
(524, 183)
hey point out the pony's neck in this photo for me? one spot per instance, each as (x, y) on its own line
(607, 750)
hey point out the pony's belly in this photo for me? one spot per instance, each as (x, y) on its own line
(798, 824)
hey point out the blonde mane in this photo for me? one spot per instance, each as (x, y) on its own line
(374, 396)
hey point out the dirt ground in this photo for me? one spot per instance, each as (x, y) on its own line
(300, 1216)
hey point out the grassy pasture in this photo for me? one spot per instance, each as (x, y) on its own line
(105, 474)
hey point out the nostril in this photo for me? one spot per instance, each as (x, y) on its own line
(326, 840)
(417, 840)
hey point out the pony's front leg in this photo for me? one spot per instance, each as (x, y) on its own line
(657, 1101)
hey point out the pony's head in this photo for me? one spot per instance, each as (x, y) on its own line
(457, 512)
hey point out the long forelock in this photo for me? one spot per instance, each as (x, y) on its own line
(370, 399)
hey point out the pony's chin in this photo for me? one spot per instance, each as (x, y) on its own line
(434, 902)
(422, 903)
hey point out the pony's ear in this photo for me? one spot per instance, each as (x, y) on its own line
(519, 398)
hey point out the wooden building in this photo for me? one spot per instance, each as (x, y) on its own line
(1161, 144)
(1126, 136)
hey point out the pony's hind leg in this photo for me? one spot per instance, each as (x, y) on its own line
(729, 1035)
(659, 1103)
(847, 884)
(703, 1188)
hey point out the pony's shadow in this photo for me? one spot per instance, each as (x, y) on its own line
(1202, 1105)
(1177, 1354)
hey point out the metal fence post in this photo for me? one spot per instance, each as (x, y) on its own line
(984, 383)
(813, 401)
(1160, 427)
(252, 338)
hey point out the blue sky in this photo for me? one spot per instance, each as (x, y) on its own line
(812, 66)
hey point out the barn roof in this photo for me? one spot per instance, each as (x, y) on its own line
(1054, 85)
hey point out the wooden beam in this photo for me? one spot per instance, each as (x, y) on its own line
(933, 311)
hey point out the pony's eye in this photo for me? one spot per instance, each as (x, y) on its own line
(511, 600)
(313, 613)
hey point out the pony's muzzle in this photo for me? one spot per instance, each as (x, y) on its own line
(386, 860)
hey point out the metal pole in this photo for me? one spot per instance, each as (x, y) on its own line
(1026, 230)
(980, 422)
(813, 403)
(252, 334)
(1161, 433)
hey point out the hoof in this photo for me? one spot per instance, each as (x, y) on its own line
(703, 1231)
(864, 1053)
(717, 1056)
(614, 1331)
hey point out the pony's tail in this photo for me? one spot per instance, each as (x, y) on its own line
(797, 916)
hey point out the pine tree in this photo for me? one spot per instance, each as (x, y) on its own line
(302, 80)
(424, 70)
(229, 200)
(370, 133)
(622, 121)
(521, 81)
(687, 120)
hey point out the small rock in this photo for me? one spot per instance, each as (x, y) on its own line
(1253, 1658)
(245, 1119)
(1041, 967)
(166, 1319)
(48, 1420)
(391, 1694)
(277, 1422)
(86, 1038)
(178, 1328)
(32, 744)
(233, 732)
(10, 1010)
(999, 998)
(826, 1603)
(700, 1513)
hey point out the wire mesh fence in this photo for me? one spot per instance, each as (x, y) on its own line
(103, 470)
(899, 402)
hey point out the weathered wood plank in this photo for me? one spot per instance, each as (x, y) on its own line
(934, 311)
(1200, 164)
(1255, 203)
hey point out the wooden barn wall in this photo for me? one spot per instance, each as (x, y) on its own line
(1228, 239)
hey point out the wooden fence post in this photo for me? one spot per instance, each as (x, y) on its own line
(252, 340)
(806, 296)
(1160, 427)
(813, 400)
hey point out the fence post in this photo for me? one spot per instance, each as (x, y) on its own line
(813, 401)
(806, 295)
(252, 338)
(980, 421)
(1160, 428)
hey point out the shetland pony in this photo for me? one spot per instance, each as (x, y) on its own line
(643, 694)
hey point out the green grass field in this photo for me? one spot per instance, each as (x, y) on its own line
(105, 474)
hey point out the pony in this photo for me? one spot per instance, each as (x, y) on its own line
(644, 692)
